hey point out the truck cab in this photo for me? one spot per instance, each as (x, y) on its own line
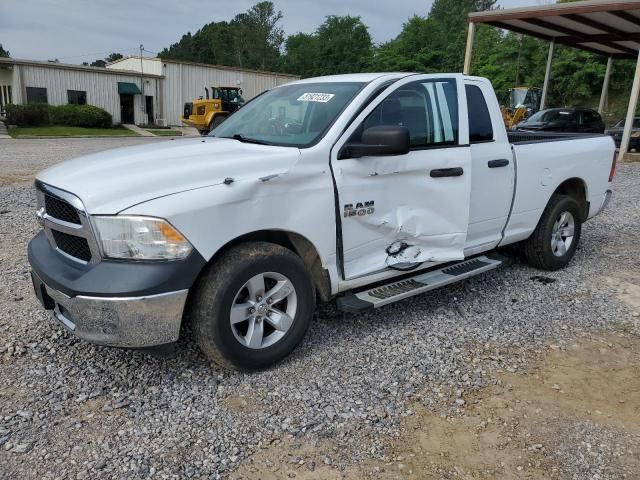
(364, 189)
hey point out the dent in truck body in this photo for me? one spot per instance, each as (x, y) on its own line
(409, 206)
(295, 198)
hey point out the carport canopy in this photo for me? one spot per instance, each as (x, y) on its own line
(605, 27)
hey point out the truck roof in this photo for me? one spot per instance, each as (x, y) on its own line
(353, 77)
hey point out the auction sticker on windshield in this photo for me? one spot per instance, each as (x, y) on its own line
(316, 97)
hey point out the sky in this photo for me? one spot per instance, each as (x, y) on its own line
(76, 31)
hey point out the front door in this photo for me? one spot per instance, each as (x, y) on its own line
(149, 109)
(126, 108)
(401, 211)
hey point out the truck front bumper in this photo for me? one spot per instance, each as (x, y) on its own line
(119, 304)
(132, 322)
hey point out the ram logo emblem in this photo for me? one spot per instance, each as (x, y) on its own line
(359, 209)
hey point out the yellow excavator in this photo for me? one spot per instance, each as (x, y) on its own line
(522, 102)
(207, 113)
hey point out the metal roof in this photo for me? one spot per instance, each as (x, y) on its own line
(207, 65)
(67, 66)
(606, 27)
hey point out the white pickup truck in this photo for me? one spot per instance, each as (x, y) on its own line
(365, 187)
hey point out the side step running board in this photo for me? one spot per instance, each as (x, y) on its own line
(423, 282)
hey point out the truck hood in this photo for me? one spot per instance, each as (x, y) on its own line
(111, 181)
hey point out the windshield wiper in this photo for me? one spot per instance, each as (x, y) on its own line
(243, 139)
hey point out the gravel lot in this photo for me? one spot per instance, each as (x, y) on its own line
(69, 409)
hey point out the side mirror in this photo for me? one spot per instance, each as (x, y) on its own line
(379, 141)
(240, 91)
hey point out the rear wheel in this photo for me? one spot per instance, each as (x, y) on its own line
(252, 306)
(555, 239)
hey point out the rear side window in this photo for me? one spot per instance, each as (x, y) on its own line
(590, 117)
(480, 128)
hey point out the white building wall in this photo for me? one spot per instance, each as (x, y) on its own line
(152, 66)
(186, 82)
(101, 88)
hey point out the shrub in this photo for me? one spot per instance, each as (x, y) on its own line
(27, 115)
(79, 116)
(67, 115)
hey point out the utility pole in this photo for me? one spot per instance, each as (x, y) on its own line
(142, 98)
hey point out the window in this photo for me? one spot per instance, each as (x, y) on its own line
(36, 95)
(5, 96)
(480, 128)
(77, 97)
(429, 110)
(589, 117)
(295, 115)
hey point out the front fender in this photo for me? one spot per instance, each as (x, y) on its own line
(281, 200)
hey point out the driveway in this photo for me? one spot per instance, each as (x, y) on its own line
(22, 158)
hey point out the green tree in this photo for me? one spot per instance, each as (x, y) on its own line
(4, 53)
(343, 45)
(301, 54)
(112, 57)
(261, 27)
(434, 43)
(252, 39)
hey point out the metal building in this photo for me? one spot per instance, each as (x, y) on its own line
(117, 92)
(133, 90)
(186, 81)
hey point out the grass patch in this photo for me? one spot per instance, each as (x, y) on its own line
(61, 131)
(164, 132)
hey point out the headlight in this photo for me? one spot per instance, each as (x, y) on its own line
(139, 238)
(635, 134)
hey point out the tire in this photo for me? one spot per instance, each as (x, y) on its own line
(217, 120)
(551, 247)
(234, 279)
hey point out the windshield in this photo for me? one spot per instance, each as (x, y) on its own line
(549, 116)
(228, 94)
(636, 123)
(292, 115)
(518, 97)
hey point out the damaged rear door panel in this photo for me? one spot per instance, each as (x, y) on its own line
(400, 211)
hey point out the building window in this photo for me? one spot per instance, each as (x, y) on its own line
(36, 95)
(77, 97)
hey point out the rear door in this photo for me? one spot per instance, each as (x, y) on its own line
(404, 210)
(493, 181)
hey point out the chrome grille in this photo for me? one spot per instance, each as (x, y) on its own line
(66, 224)
(61, 210)
(77, 247)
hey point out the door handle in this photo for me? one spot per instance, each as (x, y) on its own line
(446, 172)
(503, 162)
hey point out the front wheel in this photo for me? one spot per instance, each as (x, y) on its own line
(555, 239)
(252, 306)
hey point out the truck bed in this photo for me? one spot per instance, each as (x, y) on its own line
(517, 137)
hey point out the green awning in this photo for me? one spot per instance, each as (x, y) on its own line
(127, 88)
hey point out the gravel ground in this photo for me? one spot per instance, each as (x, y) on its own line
(21, 159)
(69, 409)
